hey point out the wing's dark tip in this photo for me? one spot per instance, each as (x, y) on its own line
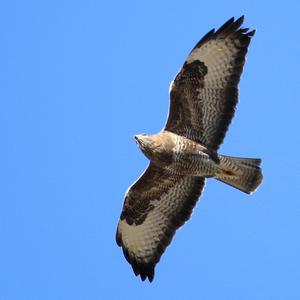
(225, 26)
(251, 33)
(144, 270)
(230, 27)
(145, 266)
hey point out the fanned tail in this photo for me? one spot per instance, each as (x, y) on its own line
(242, 173)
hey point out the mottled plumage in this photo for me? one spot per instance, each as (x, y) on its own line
(203, 97)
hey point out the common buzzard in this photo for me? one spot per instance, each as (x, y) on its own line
(203, 97)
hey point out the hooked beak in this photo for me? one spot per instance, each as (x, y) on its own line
(138, 139)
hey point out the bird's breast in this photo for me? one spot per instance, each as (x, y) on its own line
(190, 158)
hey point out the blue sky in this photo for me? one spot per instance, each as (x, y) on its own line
(78, 80)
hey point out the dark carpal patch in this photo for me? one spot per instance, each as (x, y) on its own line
(179, 215)
(193, 72)
(136, 210)
(206, 110)
(137, 204)
(203, 98)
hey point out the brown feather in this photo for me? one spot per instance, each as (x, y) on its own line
(203, 98)
(202, 109)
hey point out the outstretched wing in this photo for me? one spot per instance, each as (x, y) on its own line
(204, 94)
(155, 206)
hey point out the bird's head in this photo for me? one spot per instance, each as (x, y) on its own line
(148, 143)
(145, 141)
(157, 147)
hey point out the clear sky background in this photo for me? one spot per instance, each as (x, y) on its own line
(78, 80)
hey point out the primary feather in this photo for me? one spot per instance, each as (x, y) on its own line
(203, 98)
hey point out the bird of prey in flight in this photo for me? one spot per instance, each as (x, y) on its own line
(203, 98)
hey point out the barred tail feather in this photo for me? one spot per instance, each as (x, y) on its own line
(242, 173)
